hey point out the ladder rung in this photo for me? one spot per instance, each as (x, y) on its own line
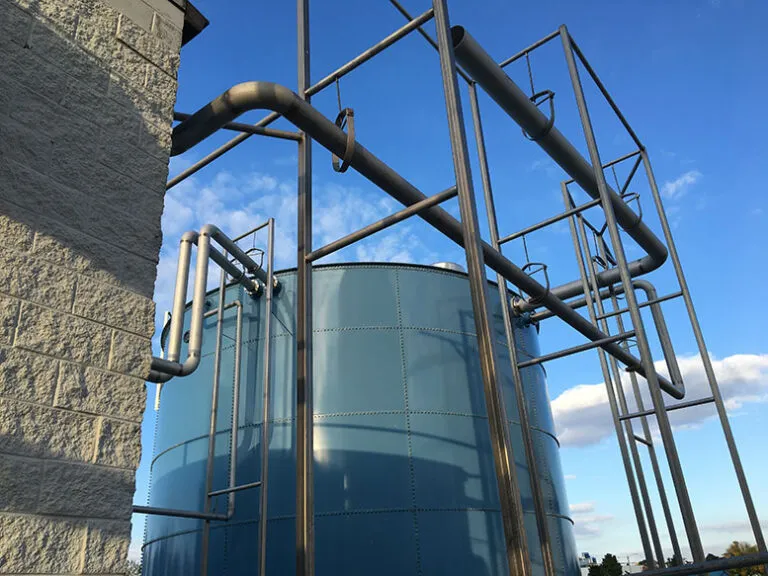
(235, 489)
(643, 305)
(679, 406)
(576, 349)
(177, 513)
(643, 440)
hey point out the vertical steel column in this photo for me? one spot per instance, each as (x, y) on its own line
(305, 565)
(205, 544)
(530, 455)
(651, 448)
(265, 398)
(665, 428)
(509, 494)
(721, 411)
(649, 516)
(608, 385)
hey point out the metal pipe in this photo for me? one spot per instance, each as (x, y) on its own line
(530, 48)
(235, 411)
(413, 24)
(273, 116)
(382, 224)
(578, 237)
(265, 399)
(305, 514)
(552, 220)
(517, 381)
(427, 37)
(153, 511)
(623, 409)
(516, 103)
(251, 95)
(612, 222)
(659, 322)
(248, 128)
(220, 151)
(504, 462)
(576, 349)
(712, 565)
(235, 489)
(642, 440)
(697, 402)
(205, 544)
(651, 449)
(706, 361)
(620, 311)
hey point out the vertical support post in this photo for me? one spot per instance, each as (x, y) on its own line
(304, 423)
(621, 395)
(530, 455)
(509, 492)
(265, 398)
(708, 369)
(577, 246)
(205, 544)
(665, 428)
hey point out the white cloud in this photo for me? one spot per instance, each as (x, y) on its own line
(236, 203)
(582, 414)
(676, 189)
(587, 524)
(582, 508)
(570, 476)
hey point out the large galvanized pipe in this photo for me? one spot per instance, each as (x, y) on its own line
(487, 73)
(254, 95)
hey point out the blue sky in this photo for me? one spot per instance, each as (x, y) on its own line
(689, 76)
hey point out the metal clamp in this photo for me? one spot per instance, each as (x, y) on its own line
(534, 268)
(346, 118)
(537, 99)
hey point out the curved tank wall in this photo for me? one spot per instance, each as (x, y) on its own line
(404, 475)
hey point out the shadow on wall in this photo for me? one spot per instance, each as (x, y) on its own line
(85, 112)
(85, 139)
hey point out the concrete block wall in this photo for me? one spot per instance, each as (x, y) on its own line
(87, 89)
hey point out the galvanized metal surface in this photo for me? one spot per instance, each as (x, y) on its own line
(404, 472)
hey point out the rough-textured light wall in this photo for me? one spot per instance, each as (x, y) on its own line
(86, 98)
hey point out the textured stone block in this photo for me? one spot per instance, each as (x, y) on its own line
(25, 276)
(100, 392)
(130, 65)
(134, 162)
(9, 315)
(139, 12)
(62, 15)
(15, 234)
(106, 548)
(62, 335)
(23, 144)
(63, 52)
(119, 444)
(96, 29)
(131, 354)
(15, 24)
(31, 71)
(27, 376)
(156, 140)
(43, 432)
(40, 545)
(129, 311)
(161, 89)
(63, 245)
(151, 48)
(167, 32)
(20, 479)
(36, 192)
(72, 489)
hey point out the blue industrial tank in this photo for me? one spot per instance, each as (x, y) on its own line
(404, 474)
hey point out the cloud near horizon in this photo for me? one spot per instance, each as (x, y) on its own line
(582, 413)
